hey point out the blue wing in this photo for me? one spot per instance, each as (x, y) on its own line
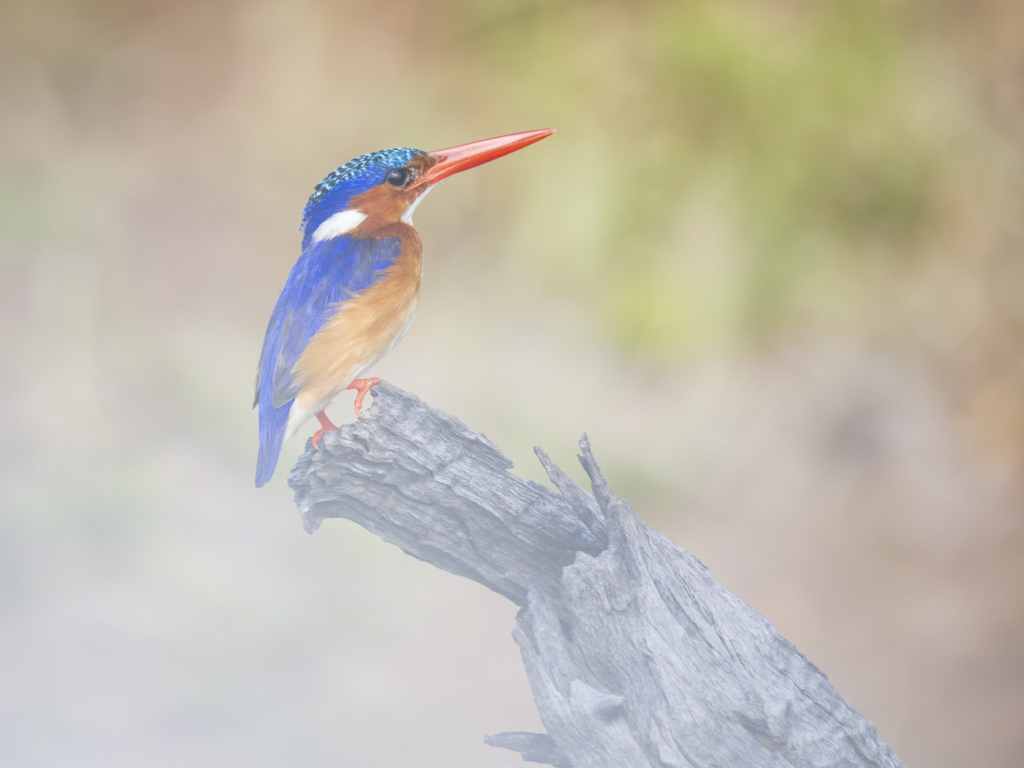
(327, 274)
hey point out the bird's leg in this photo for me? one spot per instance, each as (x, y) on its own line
(325, 426)
(362, 386)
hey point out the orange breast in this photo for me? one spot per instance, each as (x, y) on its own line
(364, 328)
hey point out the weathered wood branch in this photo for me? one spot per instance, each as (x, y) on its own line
(636, 656)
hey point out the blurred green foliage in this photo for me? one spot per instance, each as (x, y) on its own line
(791, 137)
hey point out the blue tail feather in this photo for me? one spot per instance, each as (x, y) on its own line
(273, 422)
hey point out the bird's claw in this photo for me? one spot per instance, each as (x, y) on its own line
(362, 386)
(325, 426)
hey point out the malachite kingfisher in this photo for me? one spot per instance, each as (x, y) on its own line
(352, 293)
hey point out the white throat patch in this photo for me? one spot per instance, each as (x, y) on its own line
(339, 224)
(407, 216)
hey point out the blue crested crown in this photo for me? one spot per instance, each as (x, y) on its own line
(349, 180)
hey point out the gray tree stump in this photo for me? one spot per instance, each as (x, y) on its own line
(636, 656)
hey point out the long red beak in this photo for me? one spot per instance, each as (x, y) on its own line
(455, 159)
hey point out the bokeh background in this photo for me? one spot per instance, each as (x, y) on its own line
(771, 262)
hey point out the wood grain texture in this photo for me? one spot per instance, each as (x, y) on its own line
(635, 654)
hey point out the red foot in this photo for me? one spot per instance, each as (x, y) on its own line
(362, 386)
(325, 426)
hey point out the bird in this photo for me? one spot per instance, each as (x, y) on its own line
(352, 293)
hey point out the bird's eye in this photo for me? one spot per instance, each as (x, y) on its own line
(398, 177)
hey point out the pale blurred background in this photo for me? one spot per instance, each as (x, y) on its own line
(772, 262)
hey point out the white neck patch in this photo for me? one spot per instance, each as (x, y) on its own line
(339, 224)
(407, 216)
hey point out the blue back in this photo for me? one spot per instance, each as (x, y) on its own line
(327, 274)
